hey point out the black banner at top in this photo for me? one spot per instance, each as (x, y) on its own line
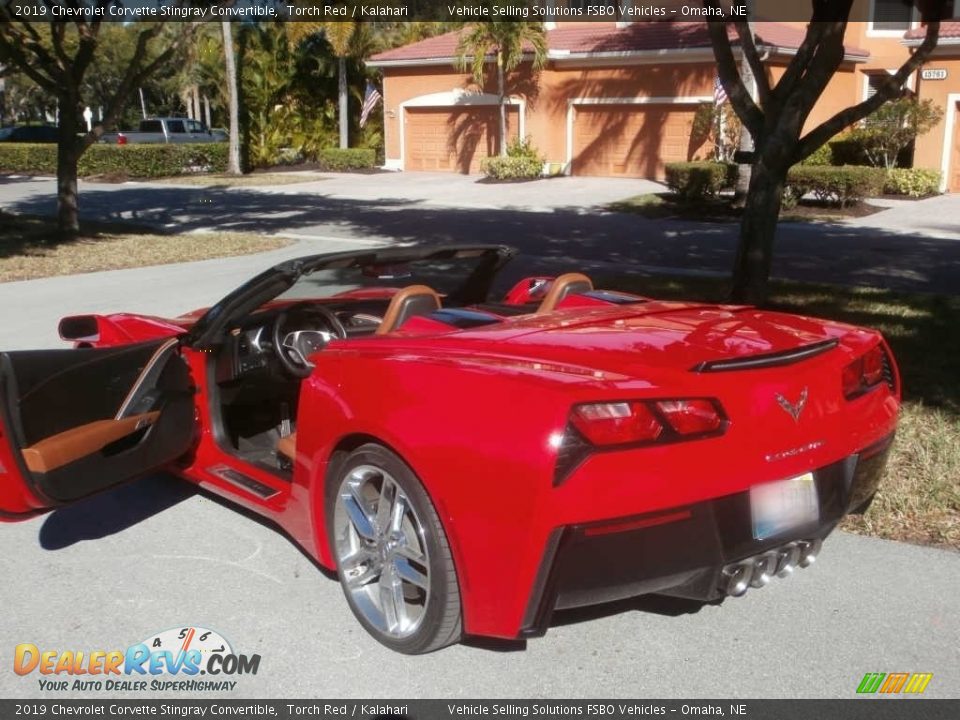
(558, 11)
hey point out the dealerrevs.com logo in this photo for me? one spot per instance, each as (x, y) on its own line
(172, 660)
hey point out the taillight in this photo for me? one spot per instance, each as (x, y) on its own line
(616, 423)
(691, 417)
(864, 373)
(632, 422)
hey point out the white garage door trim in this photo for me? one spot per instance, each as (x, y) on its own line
(947, 150)
(573, 102)
(453, 98)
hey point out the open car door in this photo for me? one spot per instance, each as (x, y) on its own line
(73, 422)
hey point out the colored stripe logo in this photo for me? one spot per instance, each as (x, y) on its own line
(894, 683)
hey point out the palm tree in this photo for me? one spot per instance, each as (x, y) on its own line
(510, 42)
(340, 37)
(230, 60)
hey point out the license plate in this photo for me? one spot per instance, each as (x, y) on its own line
(780, 506)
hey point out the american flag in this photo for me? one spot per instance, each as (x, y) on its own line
(370, 99)
(719, 94)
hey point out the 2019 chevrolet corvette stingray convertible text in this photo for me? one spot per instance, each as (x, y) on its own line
(468, 465)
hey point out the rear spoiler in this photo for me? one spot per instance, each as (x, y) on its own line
(766, 360)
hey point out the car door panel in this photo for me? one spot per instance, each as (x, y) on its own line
(78, 421)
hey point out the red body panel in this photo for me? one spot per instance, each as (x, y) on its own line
(476, 413)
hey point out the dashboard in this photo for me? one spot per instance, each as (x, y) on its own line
(251, 347)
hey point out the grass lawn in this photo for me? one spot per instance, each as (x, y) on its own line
(919, 498)
(29, 247)
(657, 206)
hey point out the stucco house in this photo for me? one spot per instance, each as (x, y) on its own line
(619, 98)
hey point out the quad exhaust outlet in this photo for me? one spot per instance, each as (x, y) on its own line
(757, 571)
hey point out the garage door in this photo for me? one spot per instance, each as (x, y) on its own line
(632, 141)
(453, 140)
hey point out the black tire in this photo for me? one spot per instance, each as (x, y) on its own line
(440, 624)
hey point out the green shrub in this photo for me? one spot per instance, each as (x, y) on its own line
(846, 185)
(136, 161)
(30, 158)
(697, 180)
(347, 159)
(823, 155)
(523, 162)
(518, 148)
(915, 182)
(847, 150)
(512, 168)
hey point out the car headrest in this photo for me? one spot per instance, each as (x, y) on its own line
(408, 302)
(565, 285)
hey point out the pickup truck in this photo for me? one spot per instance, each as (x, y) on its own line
(165, 130)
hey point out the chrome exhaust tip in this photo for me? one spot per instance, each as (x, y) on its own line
(809, 549)
(764, 567)
(759, 570)
(737, 578)
(787, 560)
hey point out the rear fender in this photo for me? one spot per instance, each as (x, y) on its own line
(448, 422)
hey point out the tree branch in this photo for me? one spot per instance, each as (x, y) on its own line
(12, 43)
(749, 49)
(888, 89)
(746, 109)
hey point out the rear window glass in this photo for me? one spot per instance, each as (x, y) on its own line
(151, 126)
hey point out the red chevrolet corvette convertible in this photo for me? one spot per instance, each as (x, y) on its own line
(467, 464)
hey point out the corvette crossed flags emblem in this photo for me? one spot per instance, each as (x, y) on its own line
(793, 410)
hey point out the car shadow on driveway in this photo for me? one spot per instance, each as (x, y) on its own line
(112, 511)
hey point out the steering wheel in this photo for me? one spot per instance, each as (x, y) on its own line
(292, 348)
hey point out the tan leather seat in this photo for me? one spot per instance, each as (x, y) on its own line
(567, 284)
(287, 446)
(407, 303)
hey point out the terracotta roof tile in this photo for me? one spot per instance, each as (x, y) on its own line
(949, 29)
(667, 35)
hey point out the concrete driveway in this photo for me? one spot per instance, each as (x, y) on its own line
(112, 570)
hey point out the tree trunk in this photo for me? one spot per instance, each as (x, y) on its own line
(206, 111)
(68, 153)
(503, 105)
(758, 230)
(196, 102)
(230, 62)
(742, 185)
(342, 89)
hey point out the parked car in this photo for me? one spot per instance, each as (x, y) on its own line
(29, 134)
(468, 465)
(165, 130)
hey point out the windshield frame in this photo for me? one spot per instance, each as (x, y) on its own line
(211, 329)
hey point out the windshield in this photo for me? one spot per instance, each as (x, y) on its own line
(447, 276)
(463, 274)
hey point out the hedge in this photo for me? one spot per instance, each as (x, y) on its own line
(697, 180)
(347, 159)
(915, 182)
(137, 161)
(847, 185)
(512, 168)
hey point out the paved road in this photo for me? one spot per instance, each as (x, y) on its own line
(109, 571)
(556, 223)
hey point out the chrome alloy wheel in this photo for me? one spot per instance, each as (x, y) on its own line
(381, 551)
